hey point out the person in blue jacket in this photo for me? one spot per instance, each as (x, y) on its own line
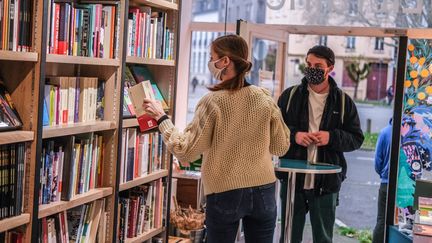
(382, 164)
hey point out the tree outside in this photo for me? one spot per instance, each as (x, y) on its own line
(358, 70)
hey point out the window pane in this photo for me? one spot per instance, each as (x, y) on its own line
(378, 13)
(263, 58)
(381, 63)
(199, 75)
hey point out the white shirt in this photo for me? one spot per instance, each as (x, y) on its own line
(316, 108)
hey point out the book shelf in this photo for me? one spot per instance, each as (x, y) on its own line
(20, 73)
(90, 196)
(77, 128)
(149, 61)
(55, 58)
(163, 71)
(10, 223)
(107, 72)
(161, 4)
(16, 137)
(18, 56)
(25, 75)
(146, 236)
(143, 180)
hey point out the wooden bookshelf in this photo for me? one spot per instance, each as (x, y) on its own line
(150, 61)
(13, 222)
(57, 207)
(164, 75)
(21, 73)
(18, 56)
(146, 236)
(25, 75)
(16, 137)
(54, 58)
(143, 180)
(161, 4)
(130, 122)
(77, 128)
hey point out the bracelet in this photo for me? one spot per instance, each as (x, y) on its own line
(163, 118)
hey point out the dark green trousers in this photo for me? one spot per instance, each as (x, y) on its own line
(322, 210)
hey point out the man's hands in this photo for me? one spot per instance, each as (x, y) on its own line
(305, 139)
(322, 137)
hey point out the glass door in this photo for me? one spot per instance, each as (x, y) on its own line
(267, 52)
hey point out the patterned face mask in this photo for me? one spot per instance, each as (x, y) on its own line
(314, 76)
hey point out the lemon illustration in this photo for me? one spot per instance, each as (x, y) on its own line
(413, 59)
(428, 90)
(424, 73)
(421, 96)
(410, 102)
(421, 61)
(407, 83)
(410, 47)
(415, 83)
(413, 74)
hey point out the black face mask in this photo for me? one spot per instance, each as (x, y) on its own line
(314, 76)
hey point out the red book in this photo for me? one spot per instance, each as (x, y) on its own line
(146, 123)
(62, 38)
(132, 220)
(56, 28)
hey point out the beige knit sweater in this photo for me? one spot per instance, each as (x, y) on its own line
(236, 131)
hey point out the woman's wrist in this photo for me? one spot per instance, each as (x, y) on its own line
(161, 118)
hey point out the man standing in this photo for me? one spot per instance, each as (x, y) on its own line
(382, 163)
(390, 94)
(325, 125)
(194, 84)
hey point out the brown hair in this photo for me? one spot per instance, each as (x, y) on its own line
(236, 49)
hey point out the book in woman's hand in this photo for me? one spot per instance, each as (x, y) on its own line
(137, 93)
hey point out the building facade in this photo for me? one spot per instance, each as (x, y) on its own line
(378, 52)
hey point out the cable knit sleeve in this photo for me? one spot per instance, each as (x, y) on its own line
(279, 132)
(188, 145)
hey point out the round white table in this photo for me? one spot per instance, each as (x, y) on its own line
(292, 167)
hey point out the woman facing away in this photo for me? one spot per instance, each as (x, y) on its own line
(237, 127)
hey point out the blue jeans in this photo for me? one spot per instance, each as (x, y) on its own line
(256, 206)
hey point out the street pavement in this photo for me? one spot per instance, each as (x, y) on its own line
(358, 196)
(379, 116)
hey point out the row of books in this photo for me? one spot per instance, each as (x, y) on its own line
(423, 218)
(135, 74)
(89, 30)
(73, 99)
(16, 25)
(12, 237)
(71, 165)
(9, 117)
(12, 169)
(142, 153)
(85, 223)
(148, 34)
(141, 209)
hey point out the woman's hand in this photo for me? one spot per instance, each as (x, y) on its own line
(153, 108)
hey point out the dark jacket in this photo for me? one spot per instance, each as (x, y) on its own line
(344, 137)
